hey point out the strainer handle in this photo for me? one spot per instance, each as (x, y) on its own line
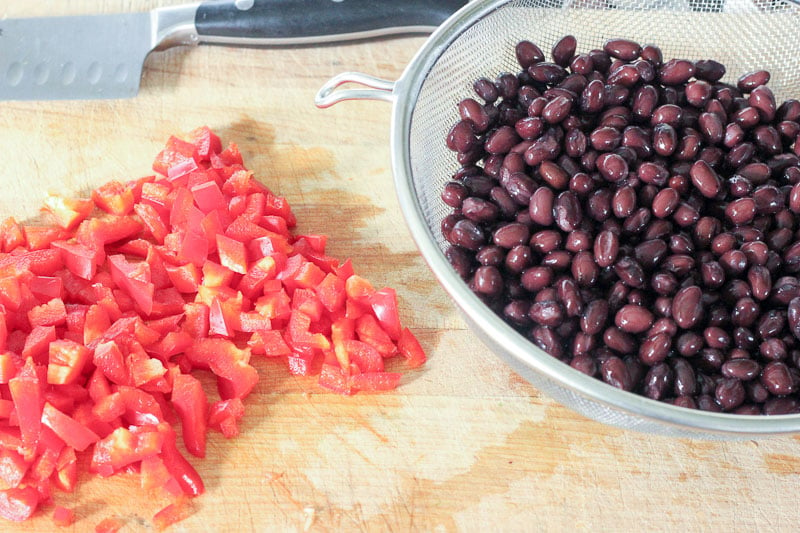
(380, 89)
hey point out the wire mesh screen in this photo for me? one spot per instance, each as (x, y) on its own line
(745, 35)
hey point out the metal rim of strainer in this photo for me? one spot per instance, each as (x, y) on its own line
(515, 348)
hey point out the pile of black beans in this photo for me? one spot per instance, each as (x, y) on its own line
(637, 219)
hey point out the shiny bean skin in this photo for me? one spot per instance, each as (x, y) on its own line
(546, 241)
(760, 282)
(558, 260)
(593, 97)
(491, 255)
(624, 202)
(630, 272)
(528, 53)
(793, 316)
(536, 278)
(545, 72)
(614, 372)
(564, 50)
(624, 76)
(669, 114)
(698, 93)
(471, 110)
(518, 258)
(594, 316)
(541, 206)
(633, 319)
(511, 235)
(709, 70)
(655, 349)
(479, 210)
(741, 211)
(553, 175)
(711, 127)
(585, 270)
(462, 137)
(687, 308)
(676, 71)
(665, 202)
(665, 139)
(548, 314)
(467, 234)
(612, 167)
(622, 49)
(619, 341)
(488, 281)
(546, 339)
(567, 211)
(582, 64)
(645, 100)
(730, 394)
(749, 81)
(557, 109)
(762, 99)
(705, 179)
(777, 379)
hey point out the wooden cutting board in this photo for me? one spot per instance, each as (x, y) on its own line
(464, 444)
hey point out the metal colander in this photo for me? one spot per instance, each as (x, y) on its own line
(479, 40)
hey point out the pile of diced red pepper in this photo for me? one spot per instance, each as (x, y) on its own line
(106, 315)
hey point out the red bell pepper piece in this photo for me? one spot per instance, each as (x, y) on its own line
(410, 348)
(67, 361)
(27, 392)
(68, 212)
(52, 313)
(135, 279)
(13, 468)
(11, 235)
(114, 197)
(191, 404)
(70, 431)
(173, 513)
(177, 465)
(18, 504)
(384, 305)
(63, 517)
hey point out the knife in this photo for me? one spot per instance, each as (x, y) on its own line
(102, 56)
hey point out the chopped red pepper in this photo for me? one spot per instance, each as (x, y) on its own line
(104, 319)
(191, 405)
(63, 517)
(18, 504)
(173, 513)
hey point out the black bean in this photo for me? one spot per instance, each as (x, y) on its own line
(528, 54)
(564, 50)
(622, 49)
(777, 379)
(687, 308)
(614, 372)
(584, 269)
(636, 223)
(729, 394)
(462, 137)
(488, 280)
(751, 80)
(709, 70)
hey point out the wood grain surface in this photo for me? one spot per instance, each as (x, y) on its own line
(464, 444)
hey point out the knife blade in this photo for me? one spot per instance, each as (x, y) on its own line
(102, 56)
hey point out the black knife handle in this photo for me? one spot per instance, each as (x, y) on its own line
(316, 21)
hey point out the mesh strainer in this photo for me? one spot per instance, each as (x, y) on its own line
(479, 41)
